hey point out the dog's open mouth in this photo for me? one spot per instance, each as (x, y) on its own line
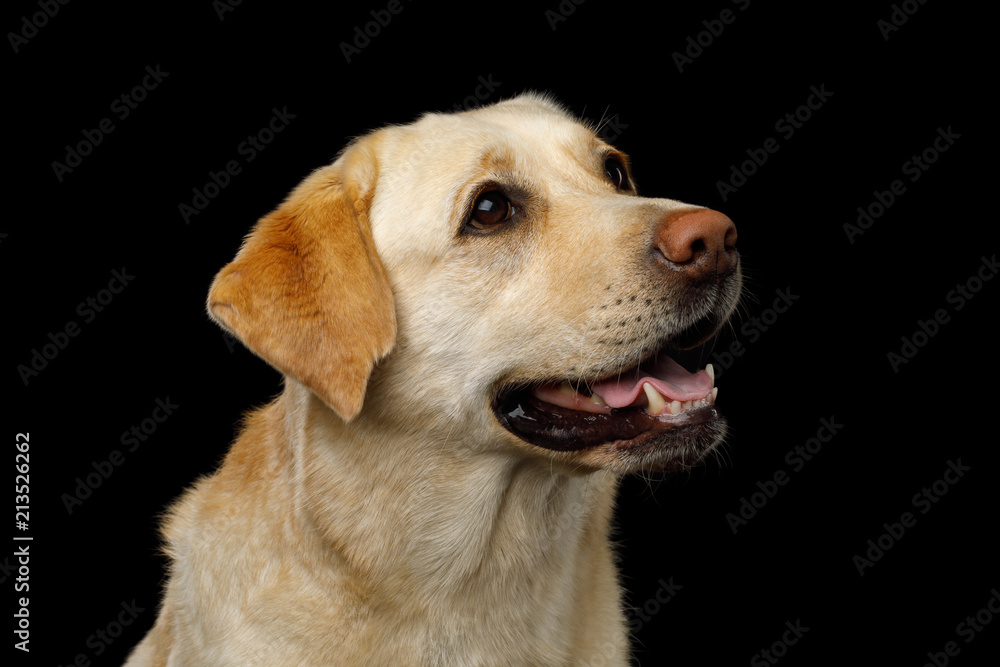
(658, 402)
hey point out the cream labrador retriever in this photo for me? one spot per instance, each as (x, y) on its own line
(478, 320)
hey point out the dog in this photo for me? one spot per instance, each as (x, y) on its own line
(479, 322)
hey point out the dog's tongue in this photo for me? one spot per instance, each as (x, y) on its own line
(667, 377)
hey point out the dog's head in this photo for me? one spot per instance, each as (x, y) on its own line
(509, 287)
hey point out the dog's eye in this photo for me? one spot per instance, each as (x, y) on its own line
(490, 211)
(615, 170)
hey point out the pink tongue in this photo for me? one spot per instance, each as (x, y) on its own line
(667, 377)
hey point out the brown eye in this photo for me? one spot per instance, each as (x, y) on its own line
(615, 171)
(491, 210)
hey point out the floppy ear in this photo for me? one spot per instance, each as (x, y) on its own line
(307, 291)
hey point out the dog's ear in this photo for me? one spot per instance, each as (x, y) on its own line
(307, 291)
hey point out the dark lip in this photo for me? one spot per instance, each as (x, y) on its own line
(563, 430)
(696, 335)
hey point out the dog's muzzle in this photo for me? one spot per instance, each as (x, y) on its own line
(658, 403)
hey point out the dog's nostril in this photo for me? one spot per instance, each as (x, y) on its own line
(684, 237)
(697, 247)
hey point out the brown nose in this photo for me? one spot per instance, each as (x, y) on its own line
(700, 242)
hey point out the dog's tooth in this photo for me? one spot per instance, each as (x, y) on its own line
(597, 400)
(711, 372)
(566, 388)
(656, 402)
(675, 407)
(715, 392)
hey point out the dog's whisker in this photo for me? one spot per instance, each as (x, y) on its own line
(481, 327)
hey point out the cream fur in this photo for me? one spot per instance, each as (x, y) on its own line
(376, 513)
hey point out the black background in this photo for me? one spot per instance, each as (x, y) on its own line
(824, 358)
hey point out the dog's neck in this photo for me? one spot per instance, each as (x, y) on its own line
(426, 518)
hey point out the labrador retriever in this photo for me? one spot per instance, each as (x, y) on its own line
(481, 327)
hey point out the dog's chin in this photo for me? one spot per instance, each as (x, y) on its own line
(642, 435)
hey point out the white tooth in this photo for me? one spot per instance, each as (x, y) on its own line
(567, 388)
(711, 372)
(715, 392)
(675, 407)
(686, 405)
(597, 400)
(656, 402)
